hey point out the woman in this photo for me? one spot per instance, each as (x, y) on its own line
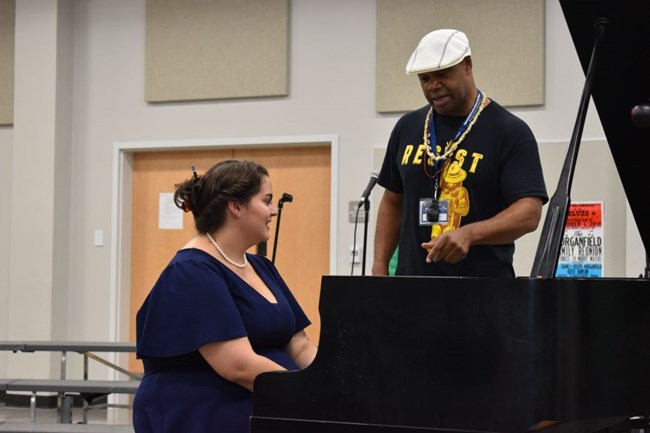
(217, 316)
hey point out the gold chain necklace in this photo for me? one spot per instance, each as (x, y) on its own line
(226, 258)
(451, 148)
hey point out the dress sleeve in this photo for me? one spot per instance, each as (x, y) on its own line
(189, 306)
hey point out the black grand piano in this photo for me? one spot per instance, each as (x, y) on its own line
(409, 354)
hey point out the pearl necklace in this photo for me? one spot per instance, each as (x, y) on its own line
(454, 144)
(226, 258)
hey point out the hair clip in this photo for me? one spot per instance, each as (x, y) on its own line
(194, 171)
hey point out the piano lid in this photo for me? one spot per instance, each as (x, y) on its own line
(621, 82)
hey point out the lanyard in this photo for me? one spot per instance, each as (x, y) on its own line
(433, 142)
(463, 127)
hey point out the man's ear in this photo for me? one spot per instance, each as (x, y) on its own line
(467, 62)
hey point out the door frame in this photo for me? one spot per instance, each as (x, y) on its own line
(121, 203)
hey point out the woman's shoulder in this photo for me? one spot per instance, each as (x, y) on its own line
(191, 254)
(190, 264)
(193, 257)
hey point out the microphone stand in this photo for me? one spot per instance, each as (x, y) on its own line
(366, 208)
(288, 198)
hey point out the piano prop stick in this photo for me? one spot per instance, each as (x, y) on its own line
(548, 249)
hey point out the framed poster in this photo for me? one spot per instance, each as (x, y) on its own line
(581, 254)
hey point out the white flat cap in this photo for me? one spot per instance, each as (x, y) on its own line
(439, 49)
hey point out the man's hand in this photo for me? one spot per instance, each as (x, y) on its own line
(451, 246)
(516, 220)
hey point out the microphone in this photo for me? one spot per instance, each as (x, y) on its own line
(640, 115)
(286, 197)
(371, 184)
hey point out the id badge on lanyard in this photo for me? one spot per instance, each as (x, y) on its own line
(430, 208)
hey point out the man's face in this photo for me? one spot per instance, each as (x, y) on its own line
(450, 91)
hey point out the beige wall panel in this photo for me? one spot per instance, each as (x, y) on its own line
(506, 38)
(216, 49)
(7, 37)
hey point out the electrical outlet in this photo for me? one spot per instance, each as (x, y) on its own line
(355, 255)
(356, 213)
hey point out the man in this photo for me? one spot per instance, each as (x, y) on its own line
(462, 175)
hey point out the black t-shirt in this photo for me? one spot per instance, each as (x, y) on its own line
(496, 164)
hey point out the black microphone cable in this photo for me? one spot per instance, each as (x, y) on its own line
(354, 239)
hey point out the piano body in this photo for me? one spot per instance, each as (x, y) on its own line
(417, 354)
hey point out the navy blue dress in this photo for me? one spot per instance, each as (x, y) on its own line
(197, 300)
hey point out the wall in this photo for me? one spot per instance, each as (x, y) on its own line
(331, 91)
(6, 138)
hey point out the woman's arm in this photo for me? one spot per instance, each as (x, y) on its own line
(301, 349)
(236, 361)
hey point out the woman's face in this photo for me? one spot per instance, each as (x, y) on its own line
(258, 212)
